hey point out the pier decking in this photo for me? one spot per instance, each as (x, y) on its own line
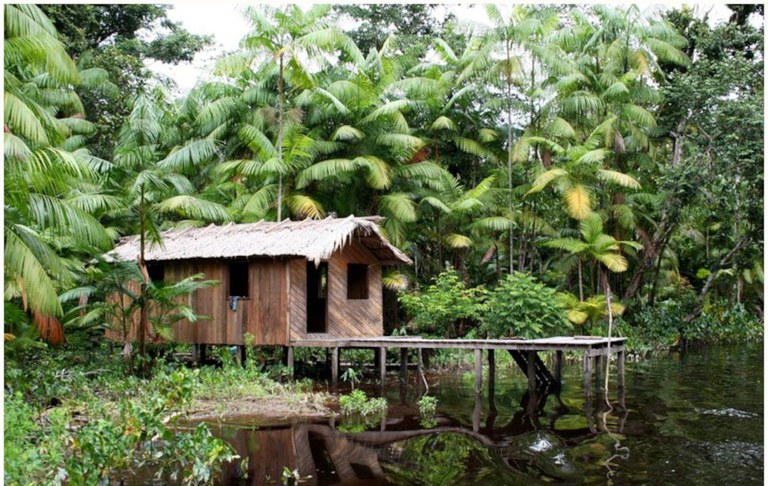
(595, 350)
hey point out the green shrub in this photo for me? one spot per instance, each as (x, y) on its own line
(447, 308)
(358, 403)
(521, 306)
(427, 405)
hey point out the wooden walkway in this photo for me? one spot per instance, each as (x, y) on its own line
(595, 350)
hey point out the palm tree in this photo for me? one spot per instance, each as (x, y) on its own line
(153, 186)
(602, 249)
(294, 40)
(51, 184)
(579, 168)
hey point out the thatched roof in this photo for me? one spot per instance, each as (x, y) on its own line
(314, 240)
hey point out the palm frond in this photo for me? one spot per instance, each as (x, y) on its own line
(578, 201)
(618, 178)
(455, 240)
(399, 206)
(305, 207)
(192, 207)
(191, 155)
(545, 179)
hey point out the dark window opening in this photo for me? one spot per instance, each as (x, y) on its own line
(156, 272)
(317, 294)
(357, 281)
(238, 279)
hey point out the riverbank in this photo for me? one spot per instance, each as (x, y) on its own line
(77, 416)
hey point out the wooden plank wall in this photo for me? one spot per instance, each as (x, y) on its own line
(345, 318)
(298, 298)
(263, 313)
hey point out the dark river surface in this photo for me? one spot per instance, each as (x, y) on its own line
(692, 417)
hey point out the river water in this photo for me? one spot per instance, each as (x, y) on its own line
(692, 417)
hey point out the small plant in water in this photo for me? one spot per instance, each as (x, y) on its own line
(358, 403)
(427, 409)
(427, 405)
(352, 376)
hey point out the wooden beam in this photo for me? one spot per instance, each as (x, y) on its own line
(478, 371)
(559, 367)
(334, 366)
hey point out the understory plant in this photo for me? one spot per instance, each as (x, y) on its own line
(521, 306)
(446, 308)
(358, 403)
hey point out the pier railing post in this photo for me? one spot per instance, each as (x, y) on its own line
(478, 371)
(587, 376)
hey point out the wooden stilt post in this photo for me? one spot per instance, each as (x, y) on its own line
(620, 359)
(533, 396)
(531, 372)
(491, 371)
(420, 368)
(382, 365)
(334, 366)
(195, 353)
(478, 371)
(477, 412)
(587, 376)
(559, 367)
(599, 365)
(203, 349)
(403, 365)
(289, 360)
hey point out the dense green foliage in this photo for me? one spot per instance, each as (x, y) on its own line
(601, 152)
(446, 307)
(521, 306)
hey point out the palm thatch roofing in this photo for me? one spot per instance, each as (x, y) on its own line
(315, 240)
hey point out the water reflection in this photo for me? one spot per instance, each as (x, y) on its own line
(402, 451)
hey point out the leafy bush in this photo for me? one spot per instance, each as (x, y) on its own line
(358, 403)
(447, 308)
(522, 306)
(427, 405)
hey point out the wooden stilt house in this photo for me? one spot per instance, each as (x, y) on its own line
(281, 282)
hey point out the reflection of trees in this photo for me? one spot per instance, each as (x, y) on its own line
(436, 459)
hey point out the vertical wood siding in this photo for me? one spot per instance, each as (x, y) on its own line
(345, 317)
(276, 310)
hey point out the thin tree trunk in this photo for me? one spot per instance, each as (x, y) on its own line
(581, 283)
(509, 160)
(143, 315)
(714, 270)
(280, 101)
(652, 298)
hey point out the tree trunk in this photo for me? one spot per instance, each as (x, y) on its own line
(653, 248)
(143, 315)
(280, 101)
(581, 283)
(714, 270)
(509, 161)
